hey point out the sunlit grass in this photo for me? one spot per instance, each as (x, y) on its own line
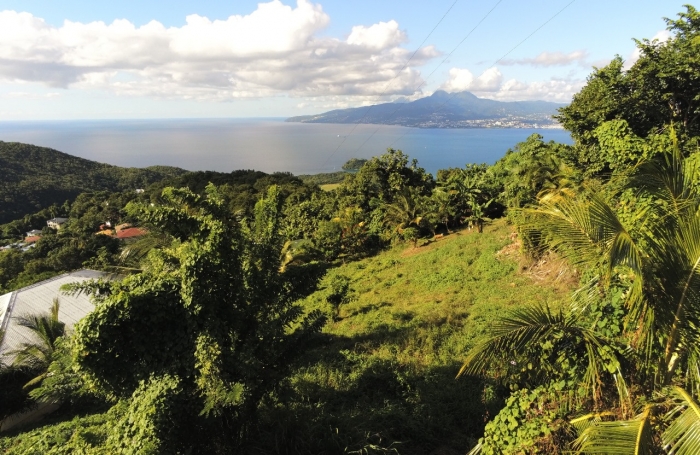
(386, 366)
(329, 186)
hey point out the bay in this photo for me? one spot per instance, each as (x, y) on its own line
(264, 144)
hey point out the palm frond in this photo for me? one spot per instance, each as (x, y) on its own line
(692, 367)
(512, 335)
(46, 329)
(583, 422)
(620, 437)
(682, 437)
(585, 296)
(476, 450)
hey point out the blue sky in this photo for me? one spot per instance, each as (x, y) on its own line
(146, 59)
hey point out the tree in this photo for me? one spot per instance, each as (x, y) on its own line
(195, 341)
(661, 88)
(354, 164)
(531, 167)
(46, 330)
(338, 293)
(407, 212)
(383, 178)
(653, 255)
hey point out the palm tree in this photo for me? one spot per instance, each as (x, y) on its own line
(37, 356)
(465, 186)
(442, 209)
(655, 246)
(408, 210)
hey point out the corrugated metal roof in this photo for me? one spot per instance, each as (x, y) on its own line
(4, 302)
(37, 299)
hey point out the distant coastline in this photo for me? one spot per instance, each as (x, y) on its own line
(446, 110)
(265, 144)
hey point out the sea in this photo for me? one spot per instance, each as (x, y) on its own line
(265, 144)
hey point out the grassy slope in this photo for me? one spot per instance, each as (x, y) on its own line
(382, 375)
(385, 372)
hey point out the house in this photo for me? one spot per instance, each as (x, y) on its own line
(56, 223)
(37, 299)
(34, 233)
(31, 240)
(130, 232)
(122, 232)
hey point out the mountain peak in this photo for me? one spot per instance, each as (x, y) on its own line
(446, 110)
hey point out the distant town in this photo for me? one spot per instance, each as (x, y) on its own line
(504, 122)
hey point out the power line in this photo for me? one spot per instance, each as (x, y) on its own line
(496, 62)
(393, 79)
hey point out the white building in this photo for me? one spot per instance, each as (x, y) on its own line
(56, 223)
(37, 299)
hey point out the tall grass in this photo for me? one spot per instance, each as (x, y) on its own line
(381, 378)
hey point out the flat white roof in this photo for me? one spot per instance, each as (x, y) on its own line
(37, 299)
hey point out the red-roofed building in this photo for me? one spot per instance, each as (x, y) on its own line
(32, 239)
(130, 232)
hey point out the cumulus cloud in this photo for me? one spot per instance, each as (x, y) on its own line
(661, 36)
(378, 36)
(546, 59)
(275, 49)
(461, 79)
(491, 85)
(556, 90)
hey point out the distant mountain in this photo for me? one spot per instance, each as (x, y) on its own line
(446, 110)
(34, 178)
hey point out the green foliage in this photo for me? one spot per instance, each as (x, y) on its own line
(643, 293)
(398, 339)
(223, 313)
(152, 420)
(82, 435)
(339, 293)
(242, 188)
(37, 177)
(46, 329)
(60, 383)
(411, 234)
(354, 164)
(323, 179)
(383, 178)
(523, 426)
(659, 89)
(379, 378)
(532, 167)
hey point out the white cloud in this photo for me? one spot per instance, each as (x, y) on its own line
(490, 84)
(377, 36)
(461, 79)
(275, 49)
(546, 59)
(661, 36)
(556, 90)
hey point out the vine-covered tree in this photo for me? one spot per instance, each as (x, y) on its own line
(209, 328)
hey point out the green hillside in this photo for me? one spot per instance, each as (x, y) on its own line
(382, 372)
(34, 178)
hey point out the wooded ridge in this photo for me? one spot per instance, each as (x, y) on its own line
(35, 177)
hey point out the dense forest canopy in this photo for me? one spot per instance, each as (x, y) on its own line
(35, 178)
